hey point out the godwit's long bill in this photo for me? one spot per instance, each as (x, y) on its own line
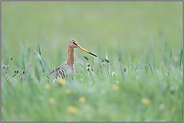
(86, 50)
(69, 63)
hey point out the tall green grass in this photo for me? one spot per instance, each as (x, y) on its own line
(162, 86)
(142, 82)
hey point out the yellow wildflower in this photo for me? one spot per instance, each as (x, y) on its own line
(51, 100)
(174, 109)
(61, 81)
(145, 101)
(68, 92)
(82, 99)
(72, 109)
(47, 86)
(115, 88)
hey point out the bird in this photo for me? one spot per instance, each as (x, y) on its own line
(68, 65)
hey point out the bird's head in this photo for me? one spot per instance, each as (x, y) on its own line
(74, 44)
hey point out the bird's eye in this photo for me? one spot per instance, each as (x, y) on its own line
(74, 43)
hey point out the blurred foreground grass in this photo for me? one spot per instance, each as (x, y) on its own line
(143, 37)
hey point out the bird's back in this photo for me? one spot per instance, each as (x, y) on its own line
(60, 70)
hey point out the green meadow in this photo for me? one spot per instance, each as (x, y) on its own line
(137, 76)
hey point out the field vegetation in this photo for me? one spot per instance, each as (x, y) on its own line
(137, 76)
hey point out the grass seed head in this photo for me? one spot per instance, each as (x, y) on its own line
(86, 57)
(7, 66)
(124, 69)
(113, 73)
(117, 82)
(103, 63)
(88, 68)
(107, 61)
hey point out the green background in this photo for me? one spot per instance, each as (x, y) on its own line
(146, 36)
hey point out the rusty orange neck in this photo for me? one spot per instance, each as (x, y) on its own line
(70, 57)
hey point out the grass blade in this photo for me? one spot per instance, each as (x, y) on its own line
(23, 64)
(39, 49)
(180, 54)
(43, 61)
(37, 75)
(170, 60)
(151, 68)
(22, 54)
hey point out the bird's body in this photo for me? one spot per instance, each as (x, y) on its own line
(60, 70)
(68, 65)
